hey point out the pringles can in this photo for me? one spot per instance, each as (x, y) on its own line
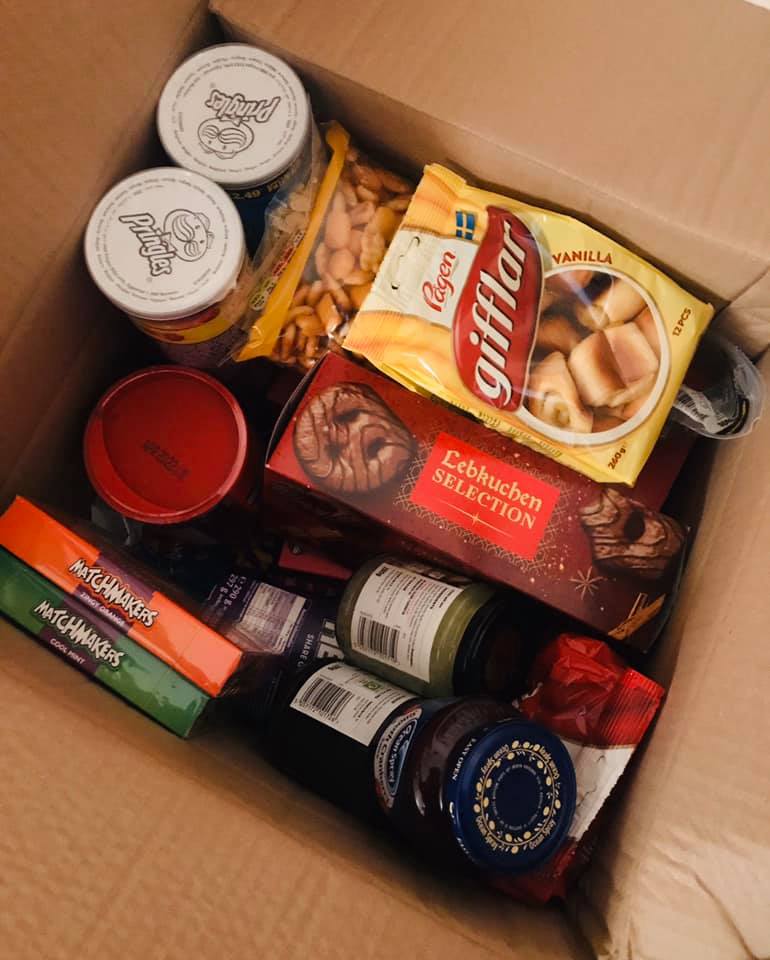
(239, 116)
(167, 247)
(170, 446)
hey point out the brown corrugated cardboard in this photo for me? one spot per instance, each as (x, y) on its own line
(82, 85)
(648, 119)
(201, 850)
(119, 841)
(686, 862)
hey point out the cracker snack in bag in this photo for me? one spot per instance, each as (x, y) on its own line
(533, 322)
(306, 302)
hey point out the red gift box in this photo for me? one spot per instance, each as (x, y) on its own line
(360, 465)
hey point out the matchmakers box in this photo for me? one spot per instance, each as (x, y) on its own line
(105, 581)
(92, 645)
(361, 465)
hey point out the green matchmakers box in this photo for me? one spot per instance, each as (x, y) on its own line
(60, 622)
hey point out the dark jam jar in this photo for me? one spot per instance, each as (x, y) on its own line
(475, 786)
(431, 631)
(467, 781)
(323, 732)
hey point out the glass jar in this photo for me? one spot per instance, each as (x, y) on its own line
(468, 781)
(166, 246)
(322, 733)
(475, 785)
(433, 632)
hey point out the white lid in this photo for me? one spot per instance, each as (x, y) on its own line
(235, 114)
(165, 243)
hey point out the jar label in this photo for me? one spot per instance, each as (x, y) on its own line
(398, 612)
(348, 700)
(390, 754)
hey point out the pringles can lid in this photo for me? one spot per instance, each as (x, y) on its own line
(234, 113)
(166, 445)
(165, 243)
(511, 797)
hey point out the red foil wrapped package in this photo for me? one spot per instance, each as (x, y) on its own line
(601, 709)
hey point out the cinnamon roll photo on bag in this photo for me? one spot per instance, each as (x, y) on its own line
(533, 322)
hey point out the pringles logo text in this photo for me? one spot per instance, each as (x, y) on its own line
(153, 245)
(237, 107)
(496, 317)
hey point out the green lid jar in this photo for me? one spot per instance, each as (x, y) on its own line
(431, 631)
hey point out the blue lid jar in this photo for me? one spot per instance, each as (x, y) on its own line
(510, 796)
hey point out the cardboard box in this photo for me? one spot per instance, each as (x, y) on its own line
(648, 119)
(362, 466)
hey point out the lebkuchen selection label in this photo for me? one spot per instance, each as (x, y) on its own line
(486, 496)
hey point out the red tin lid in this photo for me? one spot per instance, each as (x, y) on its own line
(165, 445)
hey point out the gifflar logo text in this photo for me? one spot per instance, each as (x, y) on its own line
(109, 588)
(78, 631)
(496, 317)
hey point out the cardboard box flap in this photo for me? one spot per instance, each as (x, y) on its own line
(188, 849)
(746, 320)
(611, 111)
(685, 867)
(82, 92)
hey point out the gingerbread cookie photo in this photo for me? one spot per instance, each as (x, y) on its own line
(628, 538)
(348, 440)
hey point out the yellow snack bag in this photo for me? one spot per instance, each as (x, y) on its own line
(533, 322)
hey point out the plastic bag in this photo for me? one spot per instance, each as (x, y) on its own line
(723, 394)
(533, 322)
(305, 302)
(288, 220)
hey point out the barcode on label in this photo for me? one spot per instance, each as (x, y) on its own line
(686, 401)
(325, 698)
(378, 638)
